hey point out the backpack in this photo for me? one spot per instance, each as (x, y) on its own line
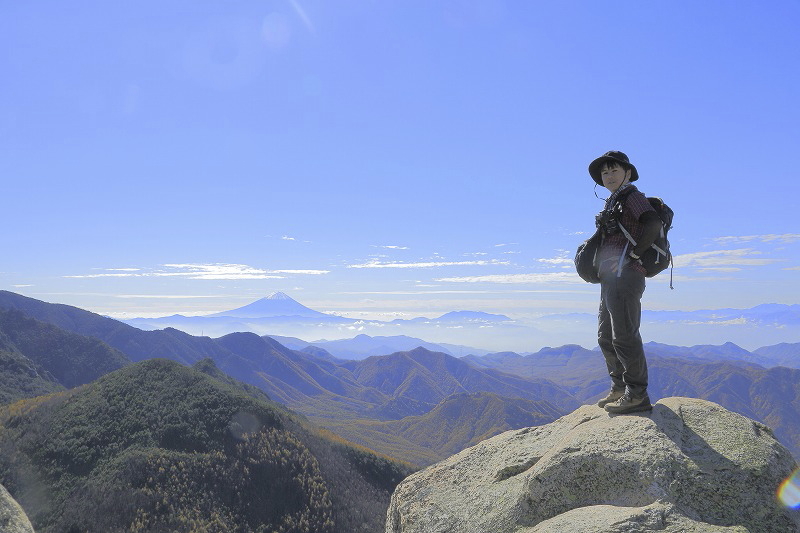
(658, 257)
(586, 258)
(654, 260)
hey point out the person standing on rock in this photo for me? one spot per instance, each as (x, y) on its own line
(622, 281)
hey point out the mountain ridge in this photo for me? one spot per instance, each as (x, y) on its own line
(457, 422)
(394, 386)
(362, 346)
(40, 358)
(164, 446)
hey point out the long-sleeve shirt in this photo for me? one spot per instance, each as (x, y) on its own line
(643, 227)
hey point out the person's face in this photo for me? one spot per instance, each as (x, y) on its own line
(614, 176)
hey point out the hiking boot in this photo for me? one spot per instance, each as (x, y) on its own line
(613, 396)
(629, 403)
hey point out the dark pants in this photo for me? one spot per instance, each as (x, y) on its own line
(618, 329)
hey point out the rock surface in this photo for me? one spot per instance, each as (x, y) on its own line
(12, 518)
(690, 465)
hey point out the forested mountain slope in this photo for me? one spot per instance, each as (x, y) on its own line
(159, 446)
(38, 358)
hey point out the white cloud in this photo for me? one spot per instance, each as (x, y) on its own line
(288, 238)
(732, 322)
(309, 272)
(722, 259)
(169, 296)
(233, 276)
(562, 259)
(785, 238)
(428, 264)
(202, 271)
(551, 277)
(557, 261)
(107, 275)
(414, 293)
(219, 271)
(391, 247)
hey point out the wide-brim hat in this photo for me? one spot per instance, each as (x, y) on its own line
(613, 155)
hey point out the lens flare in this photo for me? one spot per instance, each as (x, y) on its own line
(789, 491)
(243, 424)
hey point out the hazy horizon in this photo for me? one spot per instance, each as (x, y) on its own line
(754, 328)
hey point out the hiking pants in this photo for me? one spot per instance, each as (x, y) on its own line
(618, 329)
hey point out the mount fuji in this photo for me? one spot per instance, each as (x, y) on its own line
(280, 315)
(276, 304)
(274, 314)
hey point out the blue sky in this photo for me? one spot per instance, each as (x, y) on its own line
(390, 158)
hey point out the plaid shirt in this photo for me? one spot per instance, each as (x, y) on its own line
(613, 246)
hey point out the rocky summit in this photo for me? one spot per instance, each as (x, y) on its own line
(689, 465)
(12, 518)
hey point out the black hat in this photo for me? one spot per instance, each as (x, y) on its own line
(613, 155)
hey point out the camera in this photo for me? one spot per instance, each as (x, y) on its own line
(607, 222)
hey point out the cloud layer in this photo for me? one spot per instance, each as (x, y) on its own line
(726, 260)
(425, 264)
(201, 271)
(548, 277)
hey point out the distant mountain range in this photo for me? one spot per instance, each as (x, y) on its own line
(281, 316)
(480, 333)
(363, 346)
(381, 401)
(765, 324)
